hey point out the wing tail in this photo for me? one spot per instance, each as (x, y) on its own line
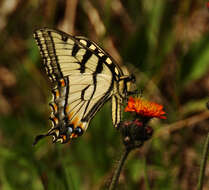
(116, 110)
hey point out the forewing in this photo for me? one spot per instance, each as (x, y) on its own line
(109, 60)
(64, 55)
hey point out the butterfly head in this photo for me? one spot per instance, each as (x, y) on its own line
(130, 85)
(127, 86)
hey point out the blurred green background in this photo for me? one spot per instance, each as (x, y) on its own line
(165, 43)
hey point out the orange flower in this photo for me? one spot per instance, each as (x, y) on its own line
(145, 108)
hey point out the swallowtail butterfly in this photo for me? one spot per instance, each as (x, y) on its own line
(83, 77)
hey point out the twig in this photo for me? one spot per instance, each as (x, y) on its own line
(203, 164)
(94, 18)
(68, 22)
(181, 124)
(118, 9)
(100, 29)
(134, 133)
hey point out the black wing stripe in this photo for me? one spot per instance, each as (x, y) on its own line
(99, 67)
(99, 103)
(52, 72)
(75, 49)
(59, 73)
(66, 95)
(37, 38)
(96, 107)
(83, 92)
(86, 57)
(64, 38)
(95, 86)
(100, 63)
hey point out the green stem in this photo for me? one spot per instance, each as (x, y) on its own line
(117, 172)
(203, 164)
(145, 175)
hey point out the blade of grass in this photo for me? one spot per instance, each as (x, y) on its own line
(203, 164)
(117, 172)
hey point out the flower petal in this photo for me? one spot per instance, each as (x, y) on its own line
(145, 108)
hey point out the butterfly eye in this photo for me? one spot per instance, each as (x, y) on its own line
(133, 78)
(78, 131)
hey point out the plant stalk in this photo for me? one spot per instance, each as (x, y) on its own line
(203, 164)
(117, 172)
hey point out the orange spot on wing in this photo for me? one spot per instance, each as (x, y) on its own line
(70, 115)
(67, 109)
(62, 82)
(57, 93)
(64, 137)
(55, 120)
(73, 135)
(75, 121)
(55, 108)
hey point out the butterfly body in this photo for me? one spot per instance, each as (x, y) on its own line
(84, 77)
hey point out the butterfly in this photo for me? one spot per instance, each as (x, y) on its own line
(83, 78)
